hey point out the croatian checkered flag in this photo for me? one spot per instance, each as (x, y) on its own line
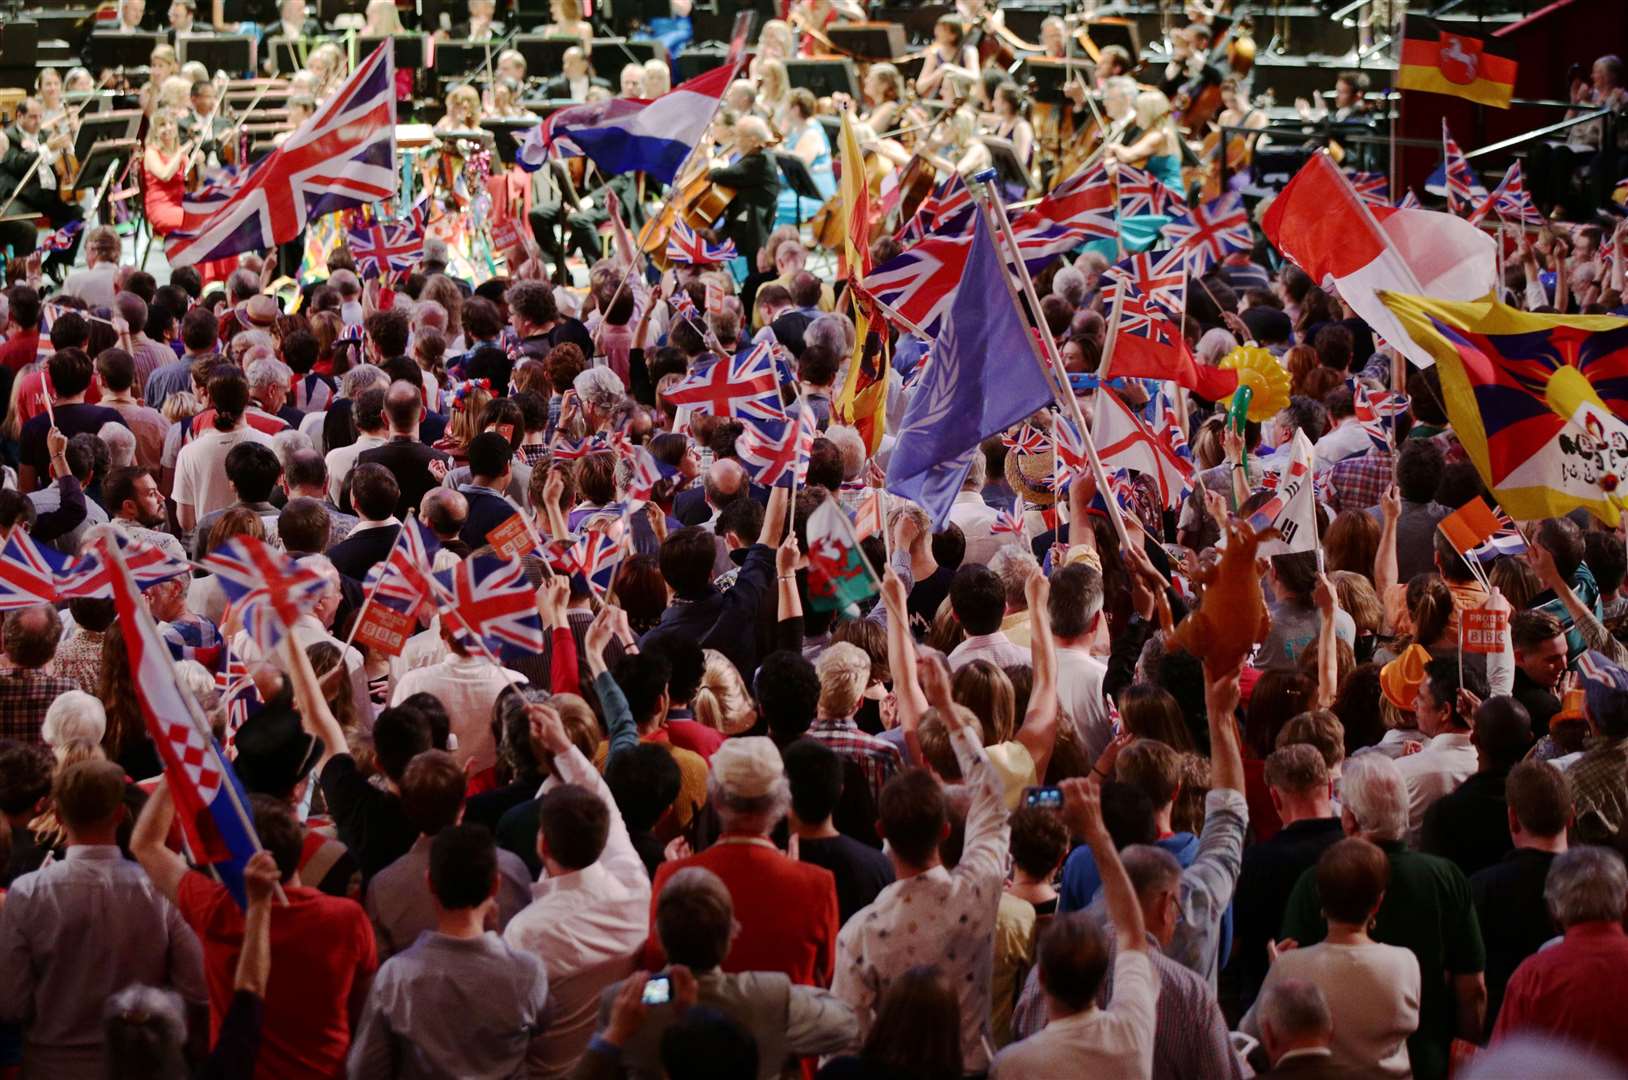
(269, 589)
(490, 599)
(685, 245)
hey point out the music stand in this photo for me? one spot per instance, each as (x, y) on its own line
(1121, 32)
(869, 40)
(509, 133)
(824, 77)
(459, 60)
(1003, 156)
(799, 179)
(230, 53)
(105, 127)
(697, 60)
(918, 20)
(1046, 76)
(615, 52)
(118, 51)
(19, 43)
(287, 55)
(408, 49)
(105, 160)
(545, 55)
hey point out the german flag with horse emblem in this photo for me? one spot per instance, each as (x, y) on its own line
(1441, 61)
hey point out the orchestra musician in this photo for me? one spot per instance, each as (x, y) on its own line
(511, 64)
(327, 63)
(576, 77)
(1054, 37)
(774, 41)
(1349, 104)
(27, 142)
(1011, 124)
(1189, 70)
(78, 81)
(773, 88)
(292, 23)
(301, 107)
(48, 88)
(482, 25)
(381, 18)
(204, 124)
(506, 102)
(740, 98)
(630, 82)
(656, 80)
(804, 137)
(463, 110)
(883, 89)
(814, 17)
(132, 14)
(164, 164)
(162, 63)
(949, 54)
(183, 19)
(1156, 148)
(749, 217)
(568, 22)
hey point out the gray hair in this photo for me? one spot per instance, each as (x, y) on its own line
(120, 442)
(285, 444)
(242, 284)
(852, 448)
(74, 715)
(362, 377)
(248, 339)
(1295, 1009)
(1215, 344)
(834, 330)
(322, 565)
(1372, 789)
(599, 388)
(977, 473)
(1151, 869)
(146, 1026)
(435, 250)
(1070, 284)
(750, 814)
(429, 313)
(1586, 884)
(268, 371)
(1014, 564)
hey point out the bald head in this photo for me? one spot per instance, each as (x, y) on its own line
(444, 511)
(751, 133)
(403, 405)
(726, 481)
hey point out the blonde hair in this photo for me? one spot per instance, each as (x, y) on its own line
(175, 92)
(776, 69)
(722, 701)
(387, 9)
(1152, 110)
(844, 671)
(467, 97)
(464, 422)
(47, 827)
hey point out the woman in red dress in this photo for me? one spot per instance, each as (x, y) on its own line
(164, 168)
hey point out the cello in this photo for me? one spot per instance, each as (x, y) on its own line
(697, 202)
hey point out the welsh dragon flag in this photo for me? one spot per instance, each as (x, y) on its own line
(838, 575)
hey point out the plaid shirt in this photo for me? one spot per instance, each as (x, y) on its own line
(1357, 482)
(24, 696)
(878, 759)
(79, 658)
(1600, 792)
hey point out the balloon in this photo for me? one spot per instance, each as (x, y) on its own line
(1263, 384)
(1238, 412)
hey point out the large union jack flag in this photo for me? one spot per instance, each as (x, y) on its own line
(1510, 201)
(380, 247)
(946, 211)
(920, 281)
(1211, 231)
(404, 579)
(776, 451)
(745, 386)
(344, 156)
(28, 572)
(1079, 208)
(490, 599)
(1157, 278)
(269, 589)
(148, 565)
(685, 245)
(1140, 192)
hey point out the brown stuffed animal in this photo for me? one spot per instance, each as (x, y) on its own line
(1231, 617)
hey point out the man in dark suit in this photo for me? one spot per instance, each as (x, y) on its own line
(480, 27)
(576, 78)
(1297, 1032)
(416, 468)
(749, 217)
(489, 455)
(373, 492)
(25, 143)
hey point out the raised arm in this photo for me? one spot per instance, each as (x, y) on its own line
(1039, 731)
(987, 833)
(901, 659)
(315, 716)
(1328, 653)
(1082, 810)
(147, 843)
(1385, 572)
(1221, 695)
(623, 729)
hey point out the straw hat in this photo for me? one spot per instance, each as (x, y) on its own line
(1030, 476)
(1401, 678)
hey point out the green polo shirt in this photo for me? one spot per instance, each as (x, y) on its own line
(1427, 910)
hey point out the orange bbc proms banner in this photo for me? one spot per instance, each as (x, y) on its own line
(1442, 61)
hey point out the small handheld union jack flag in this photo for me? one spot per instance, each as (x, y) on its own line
(1508, 540)
(1511, 201)
(647, 473)
(1156, 277)
(745, 387)
(1464, 191)
(1072, 460)
(595, 557)
(268, 588)
(1006, 524)
(490, 599)
(404, 579)
(380, 247)
(1376, 412)
(1140, 192)
(1211, 231)
(1373, 188)
(238, 691)
(63, 239)
(774, 452)
(28, 572)
(685, 245)
(1027, 442)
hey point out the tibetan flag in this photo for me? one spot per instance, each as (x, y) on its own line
(838, 576)
(1441, 61)
(1535, 399)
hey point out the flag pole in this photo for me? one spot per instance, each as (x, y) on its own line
(1051, 361)
(356, 623)
(195, 714)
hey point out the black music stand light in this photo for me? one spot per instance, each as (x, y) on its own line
(133, 49)
(616, 52)
(545, 54)
(824, 77)
(799, 179)
(231, 53)
(408, 49)
(1003, 156)
(869, 40)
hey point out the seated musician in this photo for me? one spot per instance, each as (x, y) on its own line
(773, 88)
(884, 92)
(805, 138)
(631, 80)
(48, 88)
(327, 63)
(463, 110)
(741, 97)
(132, 15)
(78, 81)
(775, 41)
(656, 80)
(568, 22)
(482, 24)
(1236, 108)
(575, 79)
(1349, 103)
(1189, 70)
(204, 124)
(301, 107)
(672, 29)
(1113, 61)
(183, 19)
(1011, 124)
(1054, 37)
(506, 102)
(749, 216)
(814, 17)
(948, 54)
(38, 188)
(511, 64)
(164, 165)
(292, 23)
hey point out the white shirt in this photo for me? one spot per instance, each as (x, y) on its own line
(1445, 762)
(943, 917)
(200, 468)
(341, 459)
(997, 648)
(1347, 440)
(93, 284)
(976, 519)
(1116, 1041)
(586, 927)
(1079, 695)
(307, 632)
(467, 686)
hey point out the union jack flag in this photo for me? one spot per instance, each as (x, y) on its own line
(744, 386)
(647, 473)
(267, 587)
(685, 245)
(563, 449)
(1508, 540)
(1168, 425)
(383, 246)
(1511, 201)
(1464, 191)
(238, 691)
(490, 599)
(403, 580)
(1155, 277)
(1079, 208)
(946, 211)
(1373, 188)
(148, 565)
(776, 451)
(344, 156)
(1072, 460)
(1140, 192)
(63, 239)
(1028, 441)
(595, 556)
(1376, 412)
(684, 307)
(920, 281)
(28, 572)
(1006, 524)
(1597, 667)
(1211, 231)
(1409, 201)
(312, 393)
